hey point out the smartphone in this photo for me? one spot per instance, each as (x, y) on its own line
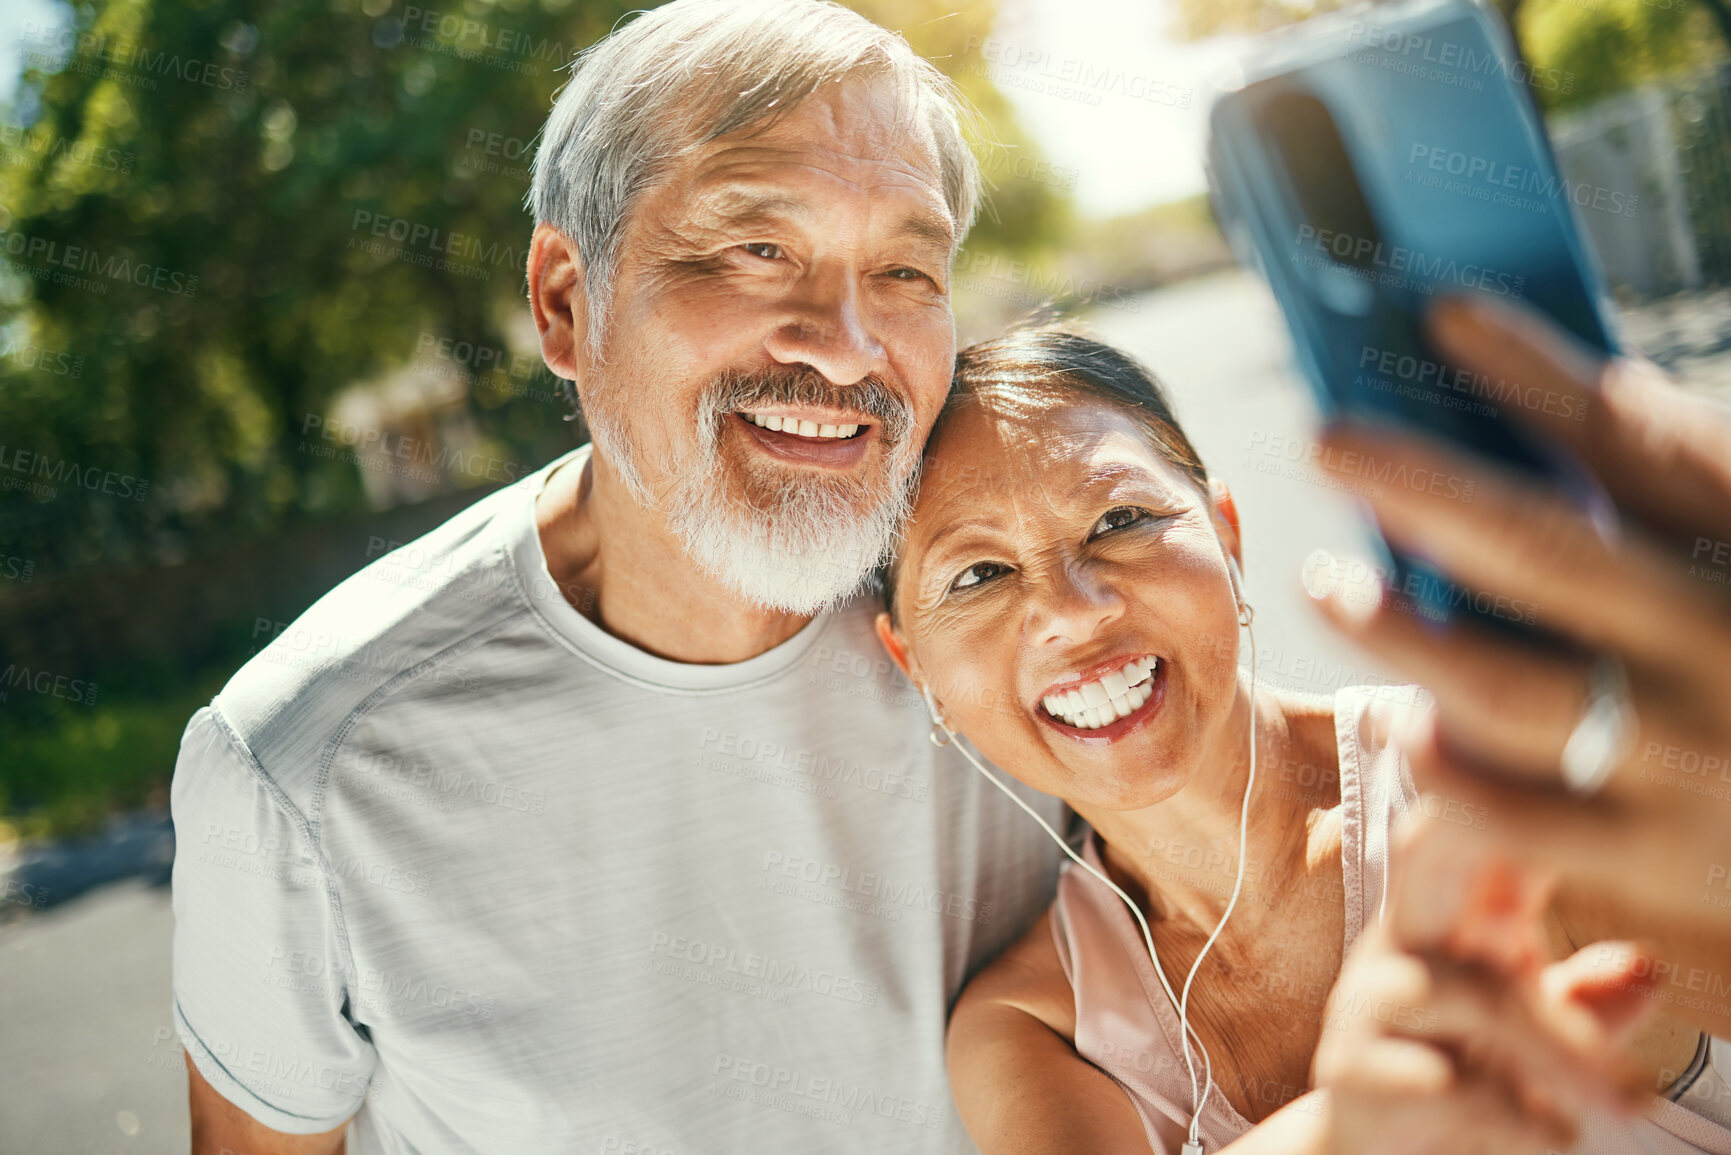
(1371, 161)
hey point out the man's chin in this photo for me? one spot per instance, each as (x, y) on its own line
(776, 571)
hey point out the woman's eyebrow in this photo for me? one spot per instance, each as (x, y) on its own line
(952, 530)
(1101, 476)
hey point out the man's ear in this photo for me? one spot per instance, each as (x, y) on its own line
(1223, 512)
(559, 300)
(895, 645)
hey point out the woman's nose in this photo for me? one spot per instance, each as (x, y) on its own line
(1074, 607)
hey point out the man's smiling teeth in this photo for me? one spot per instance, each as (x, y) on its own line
(1099, 703)
(779, 424)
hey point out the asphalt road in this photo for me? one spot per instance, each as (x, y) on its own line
(90, 1064)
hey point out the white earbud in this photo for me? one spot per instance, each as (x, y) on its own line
(1246, 612)
(938, 722)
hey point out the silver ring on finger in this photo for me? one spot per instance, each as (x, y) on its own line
(1606, 729)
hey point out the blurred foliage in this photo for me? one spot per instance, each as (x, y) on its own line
(1609, 46)
(189, 274)
(1198, 18)
(188, 210)
(1600, 46)
(67, 772)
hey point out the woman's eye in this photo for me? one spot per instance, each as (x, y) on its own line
(763, 249)
(978, 573)
(1121, 518)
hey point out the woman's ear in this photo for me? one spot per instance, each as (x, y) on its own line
(895, 645)
(1223, 511)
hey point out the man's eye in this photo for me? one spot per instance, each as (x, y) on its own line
(1120, 518)
(978, 573)
(907, 274)
(763, 249)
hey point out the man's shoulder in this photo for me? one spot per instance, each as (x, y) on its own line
(847, 659)
(407, 615)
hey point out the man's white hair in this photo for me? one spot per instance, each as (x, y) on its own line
(692, 71)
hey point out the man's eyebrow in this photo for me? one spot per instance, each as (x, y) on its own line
(927, 227)
(743, 202)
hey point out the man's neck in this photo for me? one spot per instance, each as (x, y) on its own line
(620, 566)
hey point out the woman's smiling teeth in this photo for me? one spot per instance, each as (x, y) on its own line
(779, 424)
(1102, 702)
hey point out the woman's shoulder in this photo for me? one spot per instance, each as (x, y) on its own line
(1367, 720)
(1029, 976)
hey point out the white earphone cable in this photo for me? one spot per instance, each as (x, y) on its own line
(1198, 1092)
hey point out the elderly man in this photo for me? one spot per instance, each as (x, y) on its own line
(594, 821)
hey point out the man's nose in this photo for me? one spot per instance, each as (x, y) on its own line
(826, 327)
(1074, 606)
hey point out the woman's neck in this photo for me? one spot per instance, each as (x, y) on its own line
(1179, 857)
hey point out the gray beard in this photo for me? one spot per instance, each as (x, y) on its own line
(796, 544)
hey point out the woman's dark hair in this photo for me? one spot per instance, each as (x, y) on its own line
(1041, 364)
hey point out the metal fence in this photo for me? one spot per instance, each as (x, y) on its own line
(1701, 120)
(1649, 173)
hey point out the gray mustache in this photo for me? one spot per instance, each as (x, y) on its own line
(734, 390)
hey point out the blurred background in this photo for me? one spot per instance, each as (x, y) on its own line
(262, 319)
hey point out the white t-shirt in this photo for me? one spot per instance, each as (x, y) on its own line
(452, 856)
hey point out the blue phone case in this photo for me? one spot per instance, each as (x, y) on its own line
(1373, 161)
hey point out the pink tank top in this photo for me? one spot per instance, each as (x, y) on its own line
(1126, 1026)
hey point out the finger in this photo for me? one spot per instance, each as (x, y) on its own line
(1611, 981)
(1661, 454)
(1540, 555)
(1514, 708)
(1472, 903)
(1548, 1052)
(1511, 704)
(1592, 841)
(1399, 1088)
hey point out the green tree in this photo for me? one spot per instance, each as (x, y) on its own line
(221, 214)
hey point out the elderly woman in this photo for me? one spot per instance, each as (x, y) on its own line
(1067, 598)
